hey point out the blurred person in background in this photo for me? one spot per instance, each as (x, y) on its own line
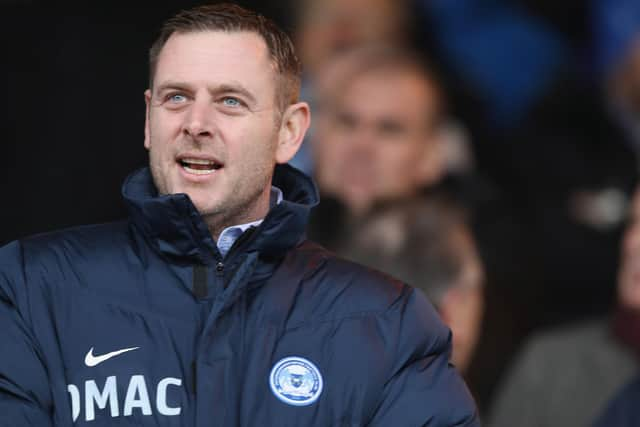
(564, 169)
(566, 377)
(377, 140)
(376, 136)
(546, 136)
(326, 28)
(429, 244)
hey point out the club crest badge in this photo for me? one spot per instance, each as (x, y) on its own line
(296, 381)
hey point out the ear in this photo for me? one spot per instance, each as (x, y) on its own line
(147, 100)
(293, 127)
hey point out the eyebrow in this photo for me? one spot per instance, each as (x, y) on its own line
(233, 87)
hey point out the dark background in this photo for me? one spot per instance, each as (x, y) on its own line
(73, 116)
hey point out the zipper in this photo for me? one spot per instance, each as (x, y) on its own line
(237, 247)
(200, 287)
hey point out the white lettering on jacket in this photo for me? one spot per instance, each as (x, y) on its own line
(137, 397)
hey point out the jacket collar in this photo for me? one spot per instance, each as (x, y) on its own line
(173, 227)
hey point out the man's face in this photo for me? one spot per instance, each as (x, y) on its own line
(375, 142)
(211, 127)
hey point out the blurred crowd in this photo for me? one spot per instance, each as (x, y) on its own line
(483, 153)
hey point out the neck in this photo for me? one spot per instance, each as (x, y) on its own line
(254, 211)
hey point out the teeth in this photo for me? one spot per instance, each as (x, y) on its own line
(198, 171)
(198, 161)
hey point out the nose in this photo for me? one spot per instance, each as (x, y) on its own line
(199, 121)
(361, 144)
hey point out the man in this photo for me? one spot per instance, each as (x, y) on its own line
(428, 243)
(326, 28)
(566, 377)
(377, 136)
(208, 307)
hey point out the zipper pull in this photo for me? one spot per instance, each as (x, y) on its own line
(220, 268)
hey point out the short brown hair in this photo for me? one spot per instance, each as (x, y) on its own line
(228, 17)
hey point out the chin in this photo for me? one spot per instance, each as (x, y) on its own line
(201, 206)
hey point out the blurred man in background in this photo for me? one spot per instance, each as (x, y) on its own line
(428, 244)
(567, 376)
(377, 139)
(376, 135)
(326, 28)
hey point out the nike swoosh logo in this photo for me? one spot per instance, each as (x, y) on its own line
(91, 360)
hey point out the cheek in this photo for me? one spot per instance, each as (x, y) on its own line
(163, 125)
(333, 146)
(337, 156)
(398, 161)
(251, 147)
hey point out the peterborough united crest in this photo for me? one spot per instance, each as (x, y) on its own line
(296, 381)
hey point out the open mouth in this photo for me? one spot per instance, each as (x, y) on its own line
(199, 166)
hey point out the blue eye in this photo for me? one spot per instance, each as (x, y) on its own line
(231, 102)
(177, 98)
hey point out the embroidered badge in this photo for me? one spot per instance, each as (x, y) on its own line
(296, 381)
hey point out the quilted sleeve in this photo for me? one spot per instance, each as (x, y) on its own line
(25, 397)
(423, 388)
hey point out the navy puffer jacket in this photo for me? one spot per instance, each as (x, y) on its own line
(142, 323)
